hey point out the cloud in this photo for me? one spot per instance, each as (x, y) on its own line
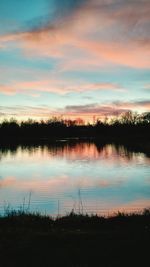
(141, 104)
(73, 111)
(147, 86)
(95, 109)
(11, 90)
(110, 109)
(7, 90)
(25, 112)
(101, 86)
(34, 88)
(98, 32)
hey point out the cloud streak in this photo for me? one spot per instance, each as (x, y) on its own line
(34, 88)
(110, 109)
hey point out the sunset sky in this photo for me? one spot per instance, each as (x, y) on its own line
(74, 58)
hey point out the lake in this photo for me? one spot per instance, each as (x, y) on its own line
(70, 175)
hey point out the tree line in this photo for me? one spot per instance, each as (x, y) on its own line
(127, 124)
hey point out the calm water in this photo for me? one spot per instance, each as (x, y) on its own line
(80, 176)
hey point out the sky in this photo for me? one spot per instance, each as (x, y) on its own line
(74, 58)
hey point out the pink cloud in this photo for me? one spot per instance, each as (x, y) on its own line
(7, 90)
(110, 32)
(11, 90)
(34, 88)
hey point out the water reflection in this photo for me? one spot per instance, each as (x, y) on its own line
(109, 177)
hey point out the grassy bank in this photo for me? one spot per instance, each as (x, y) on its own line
(74, 240)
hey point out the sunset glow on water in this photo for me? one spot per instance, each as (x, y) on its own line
(74, 176)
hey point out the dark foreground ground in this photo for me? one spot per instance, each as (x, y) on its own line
(75, 240)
